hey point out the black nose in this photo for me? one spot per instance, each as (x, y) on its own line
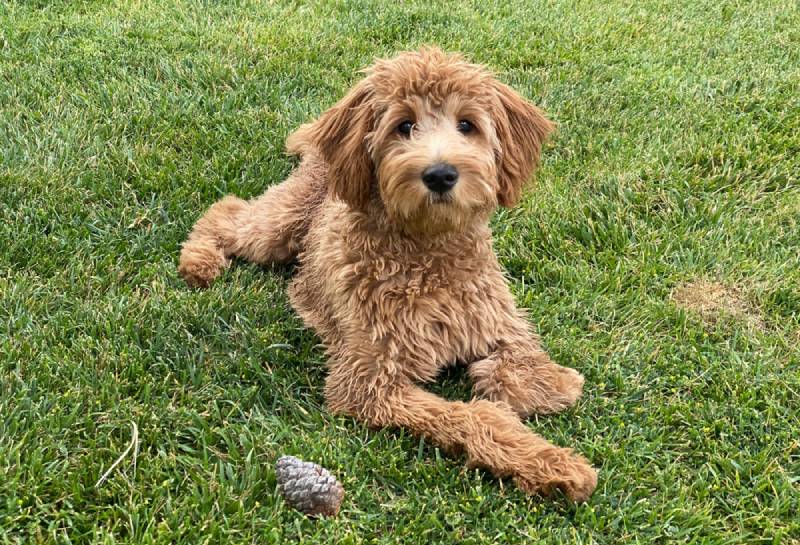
(440, 177)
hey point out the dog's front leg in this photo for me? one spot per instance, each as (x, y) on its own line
(522, 375)
(489, 433)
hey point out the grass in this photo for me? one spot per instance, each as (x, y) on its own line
(675, 167)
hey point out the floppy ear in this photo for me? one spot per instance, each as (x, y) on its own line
(521, 130)
(339, 135)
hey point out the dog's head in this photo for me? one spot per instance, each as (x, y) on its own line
(438, 140)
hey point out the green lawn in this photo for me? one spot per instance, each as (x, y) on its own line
(658, 253)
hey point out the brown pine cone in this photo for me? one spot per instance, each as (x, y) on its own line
(307, 487)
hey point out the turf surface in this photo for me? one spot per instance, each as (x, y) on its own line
(658, 254)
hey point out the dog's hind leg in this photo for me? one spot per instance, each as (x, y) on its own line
(268, 229)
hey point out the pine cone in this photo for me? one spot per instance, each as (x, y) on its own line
(308, 487)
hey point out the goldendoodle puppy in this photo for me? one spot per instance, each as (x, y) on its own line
(387, 214)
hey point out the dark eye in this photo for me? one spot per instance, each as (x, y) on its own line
(465, 127)
(405, 127)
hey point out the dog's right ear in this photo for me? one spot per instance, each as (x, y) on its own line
(339, 135)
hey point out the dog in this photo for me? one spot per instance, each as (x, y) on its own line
(387, 215)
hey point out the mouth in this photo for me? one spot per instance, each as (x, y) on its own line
(440, 198)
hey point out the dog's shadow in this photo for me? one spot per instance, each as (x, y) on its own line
(452, 383)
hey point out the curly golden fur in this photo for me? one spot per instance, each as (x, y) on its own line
(397, 276)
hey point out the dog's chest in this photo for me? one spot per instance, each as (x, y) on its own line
(386, 299)
(432, 313)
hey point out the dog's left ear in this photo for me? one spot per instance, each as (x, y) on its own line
(339, 135)
(521, 128)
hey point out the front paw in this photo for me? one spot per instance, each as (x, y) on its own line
(200, 264)
(568, 472)
(543, 389)
(567, 388)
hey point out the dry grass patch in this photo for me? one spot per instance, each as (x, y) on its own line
(713, 301)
